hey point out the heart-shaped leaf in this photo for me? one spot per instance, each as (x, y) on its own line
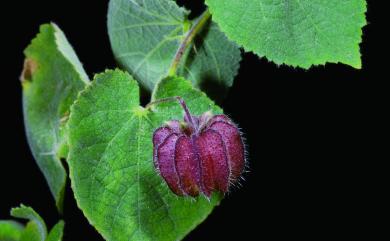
(51, 79)
(145, 35)
(111, 160)
(295, 32)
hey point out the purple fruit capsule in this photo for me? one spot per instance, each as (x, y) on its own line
(201, 154)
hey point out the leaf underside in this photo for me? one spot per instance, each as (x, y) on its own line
(111, 160)
(51, 79)
(145, 35)
(295, 32)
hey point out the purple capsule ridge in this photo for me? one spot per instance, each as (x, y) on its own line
(199, 155)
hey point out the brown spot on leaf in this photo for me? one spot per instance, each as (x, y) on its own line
(29, 68)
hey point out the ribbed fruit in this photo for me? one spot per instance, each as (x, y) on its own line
(199, 155)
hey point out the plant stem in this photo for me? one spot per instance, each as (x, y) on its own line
(194, 30)
(181, 102)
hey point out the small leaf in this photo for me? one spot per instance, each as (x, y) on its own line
(56, 232)
(31, 232)
(145, 36)
(10, 230)
(295, 32)
(111, 160)
(51, 79)
(35, 228)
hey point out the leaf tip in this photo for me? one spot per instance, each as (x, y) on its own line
(60, 199)
(16, 211)
(357, 64)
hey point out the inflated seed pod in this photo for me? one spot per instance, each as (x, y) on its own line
(200, 154)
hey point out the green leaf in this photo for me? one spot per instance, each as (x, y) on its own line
(51, 79)
(31, 232)
(146, 34)
(56, 232)
(111, 160)
(295, 32)
(10, 230)
(35, 228)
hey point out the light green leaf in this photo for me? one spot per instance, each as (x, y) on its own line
(10, 230)
(36, 228)
(146, 34)
(51, 79)
(111, 160)
(56, 232)
(31, 232)
(295, 32)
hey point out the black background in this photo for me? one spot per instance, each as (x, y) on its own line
(314, 137)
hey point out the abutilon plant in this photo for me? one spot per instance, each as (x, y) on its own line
(106, 136)
(200, 154)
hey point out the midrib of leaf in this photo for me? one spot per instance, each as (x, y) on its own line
(125, 124)
(55, 123)
(138, 179)
(146, 24)
(213, 57)
(158, 46)
(310, 18)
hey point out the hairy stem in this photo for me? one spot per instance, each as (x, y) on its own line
(181, 102)
(194, 30)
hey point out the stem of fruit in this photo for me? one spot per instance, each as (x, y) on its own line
(194, 30)
(182, 103)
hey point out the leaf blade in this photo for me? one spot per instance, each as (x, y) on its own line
(51, 80)
(145, 44)
(111, 165)
(296, 32)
